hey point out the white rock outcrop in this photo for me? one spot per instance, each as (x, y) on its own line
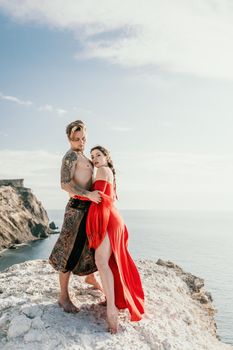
(179, 313)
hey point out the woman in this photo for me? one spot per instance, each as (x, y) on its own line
(108, 235)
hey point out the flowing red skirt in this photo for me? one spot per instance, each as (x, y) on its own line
(104, 219)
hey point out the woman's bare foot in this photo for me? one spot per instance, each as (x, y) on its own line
(68, 306)
(112, 319)
(90, 279)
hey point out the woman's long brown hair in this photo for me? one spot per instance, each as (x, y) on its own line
(106, 153)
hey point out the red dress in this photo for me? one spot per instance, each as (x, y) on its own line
(104, 218)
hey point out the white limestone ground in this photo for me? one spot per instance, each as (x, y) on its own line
(30, 317)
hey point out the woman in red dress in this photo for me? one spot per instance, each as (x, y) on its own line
(108, 235)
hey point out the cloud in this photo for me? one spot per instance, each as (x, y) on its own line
(166, 180)
(186, 37)
(40, 171)
(161, 180)
(15, 99)
(27, 164)
(178, 171)
(52, 109)
(45, 108)
(3, 134)
(61, 111)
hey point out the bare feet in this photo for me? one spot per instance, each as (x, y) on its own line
(103, 303)
(68, 306)
(90, 279)
(112, 319)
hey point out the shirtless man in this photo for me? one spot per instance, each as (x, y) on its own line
(71, 252)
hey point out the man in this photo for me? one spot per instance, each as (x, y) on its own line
(71, 252)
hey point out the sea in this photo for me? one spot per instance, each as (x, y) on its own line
(199, 242)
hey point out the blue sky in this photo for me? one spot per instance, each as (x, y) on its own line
(153, 84)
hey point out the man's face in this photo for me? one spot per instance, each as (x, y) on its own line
(78, 140)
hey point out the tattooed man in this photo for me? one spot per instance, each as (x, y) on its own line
(71, 252)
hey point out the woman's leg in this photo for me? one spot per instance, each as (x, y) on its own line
(102, 256)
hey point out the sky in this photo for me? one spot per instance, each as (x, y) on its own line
(152, 80)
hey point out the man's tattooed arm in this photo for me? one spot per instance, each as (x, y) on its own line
(67, 173)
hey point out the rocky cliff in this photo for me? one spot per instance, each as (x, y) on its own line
(179, 312)
(22, 216)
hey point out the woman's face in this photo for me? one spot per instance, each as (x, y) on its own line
(98, 158)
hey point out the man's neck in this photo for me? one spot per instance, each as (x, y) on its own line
(77, 150)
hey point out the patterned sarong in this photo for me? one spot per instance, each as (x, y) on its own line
(71, 252)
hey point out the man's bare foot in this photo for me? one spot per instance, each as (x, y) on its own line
(103, 302)
(68, 306)
(90, 279)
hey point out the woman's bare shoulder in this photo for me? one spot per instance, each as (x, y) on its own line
(104, 173)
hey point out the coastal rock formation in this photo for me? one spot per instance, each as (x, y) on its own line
(22, 216)
(175, 319)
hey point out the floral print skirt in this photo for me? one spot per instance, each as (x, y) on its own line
(71, 252)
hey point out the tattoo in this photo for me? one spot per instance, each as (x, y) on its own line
(68, 166)
(78, 190)
(67, 170)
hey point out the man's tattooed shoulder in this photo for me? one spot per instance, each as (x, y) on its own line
(70, 156)
(67, 165)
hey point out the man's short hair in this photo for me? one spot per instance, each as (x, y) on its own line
(77, 125)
